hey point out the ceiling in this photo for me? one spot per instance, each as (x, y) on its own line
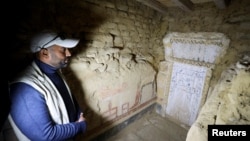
(186, 5)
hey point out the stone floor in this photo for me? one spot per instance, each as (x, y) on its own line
(151, 127)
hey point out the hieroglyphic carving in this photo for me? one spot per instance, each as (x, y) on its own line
(185, 92)
(191, 58)
(125, 108)
(216, 42)
(207, 47)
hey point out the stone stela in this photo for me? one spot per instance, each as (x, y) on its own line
(187, 75)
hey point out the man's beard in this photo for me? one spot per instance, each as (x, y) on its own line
(63, 64)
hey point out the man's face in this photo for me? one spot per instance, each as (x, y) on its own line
(59, 56)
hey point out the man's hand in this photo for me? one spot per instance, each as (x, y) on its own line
(81, 118)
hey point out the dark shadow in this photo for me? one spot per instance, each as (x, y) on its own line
(4, 102)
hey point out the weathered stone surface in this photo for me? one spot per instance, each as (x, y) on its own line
(228, 102)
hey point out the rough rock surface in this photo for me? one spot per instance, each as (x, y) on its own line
(228, 103)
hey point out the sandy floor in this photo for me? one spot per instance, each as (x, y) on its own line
(151, 127)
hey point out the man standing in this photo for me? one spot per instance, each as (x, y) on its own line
(42, 106)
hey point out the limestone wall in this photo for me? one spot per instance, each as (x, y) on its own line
(232, 21)
(113, 72)
(113, 69)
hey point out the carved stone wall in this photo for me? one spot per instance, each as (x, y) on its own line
(190, 58)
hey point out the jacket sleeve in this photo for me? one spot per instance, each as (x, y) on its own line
(31, 115)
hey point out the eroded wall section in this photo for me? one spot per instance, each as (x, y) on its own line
(116, 86)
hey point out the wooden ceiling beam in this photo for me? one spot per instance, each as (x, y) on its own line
(155, 5)
(222, 4)
(185, 5)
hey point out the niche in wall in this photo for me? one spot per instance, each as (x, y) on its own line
(186, 72)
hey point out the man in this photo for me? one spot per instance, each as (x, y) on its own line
(42, 106)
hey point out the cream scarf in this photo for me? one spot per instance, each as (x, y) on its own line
(35, 78)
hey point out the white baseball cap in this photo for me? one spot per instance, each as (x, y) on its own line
(47, 39)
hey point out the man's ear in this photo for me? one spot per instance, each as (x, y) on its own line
(44, 51)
